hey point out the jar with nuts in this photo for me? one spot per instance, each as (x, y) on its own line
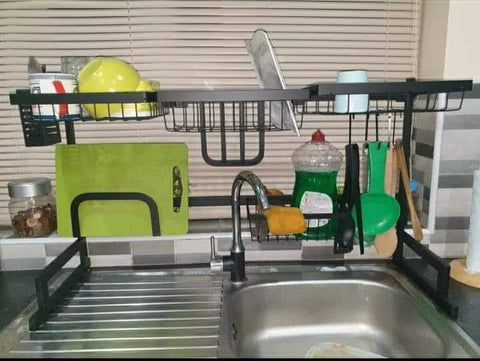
(32, 207)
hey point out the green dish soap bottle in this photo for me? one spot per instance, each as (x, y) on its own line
(316, 165)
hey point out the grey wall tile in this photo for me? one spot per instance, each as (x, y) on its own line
(111, 260)
(157, 259)
(461, 144)
(459, 166)
(17, 264)
(461, 121)
(424, 219)
(455, 181)
(426, 193)
(424, 211)
(54, 249)
(450, 236)
(419, 176)
(425, 206)
(425, 150)
(452, 202)
(280, 245)
(424, 165)
(153, 247)
(109, 248)
(320, 253)
(425, 121)
(452, 223)
(424, 136)
(28, 250)
(189, 258)
(225, 244)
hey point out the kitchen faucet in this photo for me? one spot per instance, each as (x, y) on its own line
(235, 263)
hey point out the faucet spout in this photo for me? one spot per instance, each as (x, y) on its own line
(235, 263)
(259, 190)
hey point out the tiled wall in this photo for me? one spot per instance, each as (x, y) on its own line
(422, 159)
(460, 156)
(35, 254)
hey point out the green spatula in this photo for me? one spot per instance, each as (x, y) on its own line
(380, 211)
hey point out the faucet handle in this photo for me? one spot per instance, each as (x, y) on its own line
(216, 263)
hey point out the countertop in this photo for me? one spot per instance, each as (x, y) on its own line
(17, 291)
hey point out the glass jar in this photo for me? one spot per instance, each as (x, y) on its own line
(32, 207)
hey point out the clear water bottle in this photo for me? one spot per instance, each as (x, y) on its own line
(316, 165)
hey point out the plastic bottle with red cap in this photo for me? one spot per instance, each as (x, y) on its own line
(316, 165)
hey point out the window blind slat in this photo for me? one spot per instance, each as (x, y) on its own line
(200, 44)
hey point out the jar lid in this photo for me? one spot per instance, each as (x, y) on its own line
(29, 187)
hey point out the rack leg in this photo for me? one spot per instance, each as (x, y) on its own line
(70, 132)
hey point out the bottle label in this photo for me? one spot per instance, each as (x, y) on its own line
(315, 202)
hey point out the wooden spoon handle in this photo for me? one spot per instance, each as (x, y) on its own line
(402, 164)
(386, 243)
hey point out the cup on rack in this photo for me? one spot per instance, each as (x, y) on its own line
(56, 83)
(351, 103)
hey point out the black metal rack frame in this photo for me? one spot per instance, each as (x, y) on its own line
(216, 113)
(47, 302)
(406, 92)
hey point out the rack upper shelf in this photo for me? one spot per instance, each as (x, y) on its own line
(230, 110)
(317, 91)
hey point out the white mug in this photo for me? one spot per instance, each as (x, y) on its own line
(353, 103)
(57, 83)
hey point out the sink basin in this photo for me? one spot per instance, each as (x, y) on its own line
(373, 309)
(281, 311)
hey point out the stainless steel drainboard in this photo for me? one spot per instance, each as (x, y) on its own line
(132, 314)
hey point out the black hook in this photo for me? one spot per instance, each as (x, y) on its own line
(366, 126)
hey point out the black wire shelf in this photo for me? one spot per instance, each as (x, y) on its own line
(386, 97)
(238, 111)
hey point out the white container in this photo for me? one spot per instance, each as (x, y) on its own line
(56, 83)
(357, 103)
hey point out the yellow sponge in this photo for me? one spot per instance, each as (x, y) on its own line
(285, 220)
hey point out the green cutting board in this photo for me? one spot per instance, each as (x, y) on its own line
(134, 167)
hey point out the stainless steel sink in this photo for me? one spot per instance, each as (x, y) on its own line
(285, 311)
(281, 311)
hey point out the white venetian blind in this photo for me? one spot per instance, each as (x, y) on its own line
(200, 44)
